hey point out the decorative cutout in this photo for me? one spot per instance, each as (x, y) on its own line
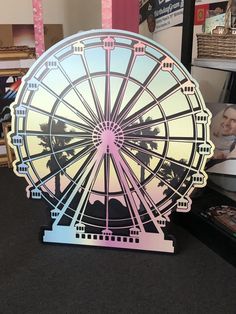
(112, 132)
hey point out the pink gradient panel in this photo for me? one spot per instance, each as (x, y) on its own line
(120, 14)
(125, 15)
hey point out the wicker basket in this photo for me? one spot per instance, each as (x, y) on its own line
(216, 46)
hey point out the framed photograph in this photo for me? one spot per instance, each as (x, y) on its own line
(221, 167)
(224, 216)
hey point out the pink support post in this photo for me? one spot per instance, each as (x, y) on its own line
(106, 13)
(38, 27)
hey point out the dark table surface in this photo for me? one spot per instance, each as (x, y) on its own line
(39, 278)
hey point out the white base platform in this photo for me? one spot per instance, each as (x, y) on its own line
(145, 241)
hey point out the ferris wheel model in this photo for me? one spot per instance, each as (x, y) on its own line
(112, 132)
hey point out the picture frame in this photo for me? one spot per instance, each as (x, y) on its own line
(16, 60)
(17, 53)
(6, 126)
(17, 72)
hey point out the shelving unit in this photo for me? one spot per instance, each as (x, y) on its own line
(207, 231)
(216, 64)
(216, 238)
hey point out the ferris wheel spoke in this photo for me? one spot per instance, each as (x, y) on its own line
(63, 135)
(107, 184)
(142, 164)
(79, 95)
(78, 125)
(190, 140)
(71, 135)
(108, 86)
(147, 124)
(67, 164)
(138, 94)
(134, 158)
(155, 154)
(71, 191)
(171, 91)
(93, 90)
(142, 126)
(139, 114)
(127, 193)
(123, 87)
(62, 119)
(83, 143)
(123, 115)
(98, 159)
(138, 188)
(68, 105)
(146, 138)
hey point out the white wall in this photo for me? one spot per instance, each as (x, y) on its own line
(143, 30)
(171, 39)
(20, 11)
(75, 15)
(211, 82)
(81, 15)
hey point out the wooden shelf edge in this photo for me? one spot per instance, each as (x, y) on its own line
(216, 64)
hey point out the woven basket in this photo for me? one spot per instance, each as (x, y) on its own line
(216, 46)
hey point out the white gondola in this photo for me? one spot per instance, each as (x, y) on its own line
(78, 48)
(202, 117)
(198, 179)
(139, 49)
(162, 221)
(36, 194)
(33, 84)
(54, 213)
(167, 64)
(52, 63)
(106, 232)
(188, 88)
(80, 228)
(22, 168)
(182, 204)
(134, 232)
(20, 111)
(17, 140)
(108, 43)
(204, 149)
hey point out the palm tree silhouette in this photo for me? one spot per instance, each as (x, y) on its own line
(57, 143)
(172, 174)
(149, 145)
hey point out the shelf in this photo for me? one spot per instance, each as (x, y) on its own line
(215, 237)
(217, 64)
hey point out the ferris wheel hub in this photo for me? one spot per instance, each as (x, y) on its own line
(108, 135)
